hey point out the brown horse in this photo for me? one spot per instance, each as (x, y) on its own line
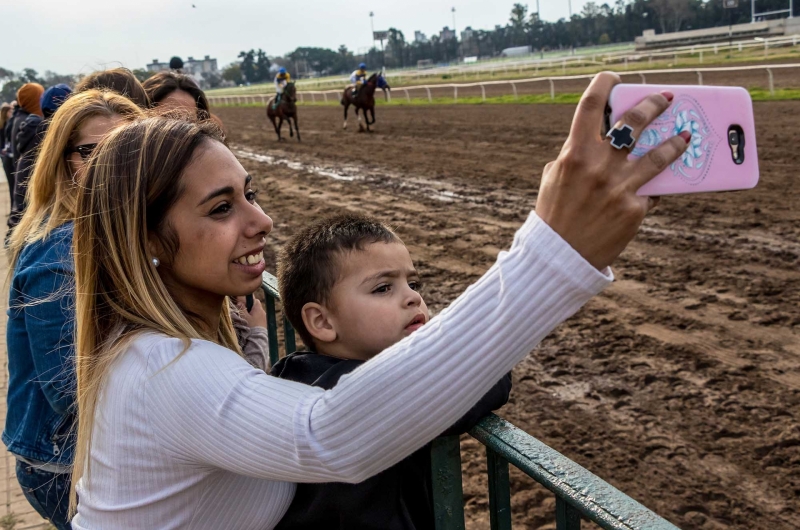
(364, 100)
(287, 110)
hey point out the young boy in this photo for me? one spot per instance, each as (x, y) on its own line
(349, 288)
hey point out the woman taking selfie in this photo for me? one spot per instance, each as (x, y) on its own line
(176, 430)
(40, 339)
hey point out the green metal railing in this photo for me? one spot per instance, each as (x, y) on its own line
(579, 493)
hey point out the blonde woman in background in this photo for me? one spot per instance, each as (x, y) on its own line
(176, 430)
(40, 331)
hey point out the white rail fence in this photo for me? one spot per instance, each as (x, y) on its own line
(599, 58)
(326, 96)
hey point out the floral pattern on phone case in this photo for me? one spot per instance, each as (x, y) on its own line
(685, 114)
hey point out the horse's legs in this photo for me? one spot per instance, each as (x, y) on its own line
(296, 127)
(361, 125)
(280, 124)
(275, 124)
(291, 131)
(346, 106)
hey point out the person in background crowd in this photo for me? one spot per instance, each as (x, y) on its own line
(120, 80)
(28, 104)
(281, 80)
(170, 90)
(40, 336)
(358, 77)
(29, 137)
(5, 118)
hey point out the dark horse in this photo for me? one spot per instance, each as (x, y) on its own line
(364, 100)
(287, 110)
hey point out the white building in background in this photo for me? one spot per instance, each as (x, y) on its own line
(447, 34)
(420, 37)
(198, 67)
(156, 66)
(194, 67)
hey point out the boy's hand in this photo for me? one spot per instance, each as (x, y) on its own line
(257, 317)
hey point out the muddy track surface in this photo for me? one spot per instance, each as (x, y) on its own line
(680, 384)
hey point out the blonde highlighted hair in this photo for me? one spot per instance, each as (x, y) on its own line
(52, 192)
(129, 187)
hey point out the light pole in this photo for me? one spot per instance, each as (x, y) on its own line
(454, 19)
(372, 25)
(569, 3)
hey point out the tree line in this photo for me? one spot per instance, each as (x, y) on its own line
(596, 24)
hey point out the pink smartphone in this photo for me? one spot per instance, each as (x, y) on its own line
(722, 154)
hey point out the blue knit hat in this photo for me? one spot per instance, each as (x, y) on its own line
(53, 97)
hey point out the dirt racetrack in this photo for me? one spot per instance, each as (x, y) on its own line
(680, 384)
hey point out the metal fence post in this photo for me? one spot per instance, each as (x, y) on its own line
(455, 94)
(699, 77)
(514, 88)
(301, 98)
(771, 82)
(408, 98)
(325, 95)
(701, 56)
(499, 491)
(313, 98)
(430, 99)
(644, 81)
(448, 494)
(567, 517)
(552, 89)
(288, 336)
(272, 329)
(483, 92)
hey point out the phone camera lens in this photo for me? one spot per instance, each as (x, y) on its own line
(734, 138)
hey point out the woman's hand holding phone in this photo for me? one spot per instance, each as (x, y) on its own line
(588, 194)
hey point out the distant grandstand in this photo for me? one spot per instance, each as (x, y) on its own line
(771, 28)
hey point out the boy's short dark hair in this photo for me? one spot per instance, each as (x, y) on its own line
(308, 265)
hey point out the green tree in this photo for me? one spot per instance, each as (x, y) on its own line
(262, 65)
(248, 65)
(142, 74)
(233, 73)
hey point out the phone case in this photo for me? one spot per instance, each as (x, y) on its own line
(707, 112)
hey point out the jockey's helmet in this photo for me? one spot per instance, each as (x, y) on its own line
(282, 70)
(362, 66)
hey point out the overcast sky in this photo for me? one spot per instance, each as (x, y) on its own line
(84, 35)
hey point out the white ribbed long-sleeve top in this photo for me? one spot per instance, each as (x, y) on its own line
(208, 442)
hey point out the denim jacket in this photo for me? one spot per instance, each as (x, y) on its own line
(40, 341)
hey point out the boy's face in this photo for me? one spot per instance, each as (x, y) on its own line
(375, 302)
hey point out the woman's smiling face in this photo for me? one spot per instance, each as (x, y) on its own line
(220, 229)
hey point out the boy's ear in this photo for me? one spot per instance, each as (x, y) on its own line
(317, 320)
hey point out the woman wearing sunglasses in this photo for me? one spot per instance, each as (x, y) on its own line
(40, 336)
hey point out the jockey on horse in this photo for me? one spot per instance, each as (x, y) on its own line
(281, 80)
(364, 100)
(358, 78)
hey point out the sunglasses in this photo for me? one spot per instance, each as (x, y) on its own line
(85, 150)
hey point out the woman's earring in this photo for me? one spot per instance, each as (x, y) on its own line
(156, 263)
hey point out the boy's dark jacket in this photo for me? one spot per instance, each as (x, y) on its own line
(398, 498)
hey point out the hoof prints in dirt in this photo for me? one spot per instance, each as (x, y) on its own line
(680, 384)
